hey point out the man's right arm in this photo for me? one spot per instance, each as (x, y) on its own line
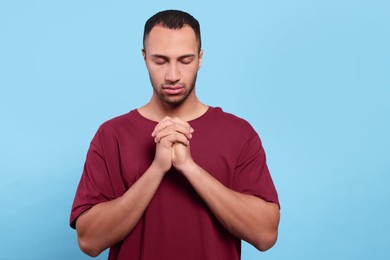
(108, 223)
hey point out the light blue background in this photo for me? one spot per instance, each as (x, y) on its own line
(311, 76)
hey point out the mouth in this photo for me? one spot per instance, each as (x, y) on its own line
(173, 89)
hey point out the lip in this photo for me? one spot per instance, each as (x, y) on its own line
(173, 90)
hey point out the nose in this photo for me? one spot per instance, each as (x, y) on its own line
(173, 73)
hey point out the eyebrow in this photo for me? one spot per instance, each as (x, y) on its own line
(160, 56)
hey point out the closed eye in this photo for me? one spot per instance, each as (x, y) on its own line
(187, 59)
(159, 61)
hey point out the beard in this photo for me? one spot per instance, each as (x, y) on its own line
(175, 100)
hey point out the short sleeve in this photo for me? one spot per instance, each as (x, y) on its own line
(95, 185)
(251, 172)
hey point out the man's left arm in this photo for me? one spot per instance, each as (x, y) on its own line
(247, 217)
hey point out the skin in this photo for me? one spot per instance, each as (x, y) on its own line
(173, 59)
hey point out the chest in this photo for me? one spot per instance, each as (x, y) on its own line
(213, 151)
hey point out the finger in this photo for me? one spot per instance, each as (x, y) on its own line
(162, 134)
(174, 128)
(168, 125)
(176, 138)
(166, 121)
(182, 122)
(166, 143)
(171, 135)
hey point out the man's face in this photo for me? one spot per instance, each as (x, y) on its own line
(172, 58)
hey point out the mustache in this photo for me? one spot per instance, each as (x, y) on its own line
(176, 85)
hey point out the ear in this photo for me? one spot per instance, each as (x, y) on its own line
(144, 54)
(200, 58)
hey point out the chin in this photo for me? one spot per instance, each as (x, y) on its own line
(174, 101)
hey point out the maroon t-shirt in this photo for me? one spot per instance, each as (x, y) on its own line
(177, 224)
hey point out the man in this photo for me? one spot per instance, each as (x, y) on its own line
(175, 179)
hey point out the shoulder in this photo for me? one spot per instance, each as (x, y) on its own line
(119, 124)
(230, 120)
(118, 120)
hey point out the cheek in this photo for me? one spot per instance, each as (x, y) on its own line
(155, 73)
(190, 69)
(189, 74)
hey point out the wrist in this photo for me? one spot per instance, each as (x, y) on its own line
(156, 169)
(189, 167)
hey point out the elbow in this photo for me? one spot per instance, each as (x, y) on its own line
(268, 236)
(88, 248)
(266, 241)
(87, 242)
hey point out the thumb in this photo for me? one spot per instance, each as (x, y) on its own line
(180, 153)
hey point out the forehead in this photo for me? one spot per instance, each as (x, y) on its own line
(163, 40)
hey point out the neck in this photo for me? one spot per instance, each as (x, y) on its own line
(189, 109)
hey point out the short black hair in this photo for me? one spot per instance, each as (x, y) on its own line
(172, 19)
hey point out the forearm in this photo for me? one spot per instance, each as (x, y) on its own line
(108, 223)
(247, 217)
